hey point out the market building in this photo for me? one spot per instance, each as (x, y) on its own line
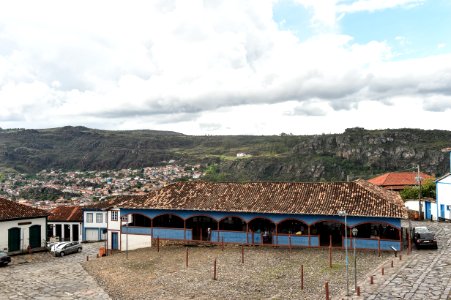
(265, 213)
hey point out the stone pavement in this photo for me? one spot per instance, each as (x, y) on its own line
(43, 276)
(424, 274)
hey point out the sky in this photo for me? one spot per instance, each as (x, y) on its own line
(226, 67)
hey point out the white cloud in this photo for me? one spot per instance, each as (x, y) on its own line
(194, 65)
(375, 5)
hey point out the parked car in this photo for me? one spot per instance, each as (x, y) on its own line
(51, 245)
(4, 258)
(423, 237)
(65, 248)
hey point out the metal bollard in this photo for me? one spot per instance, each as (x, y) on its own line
(382, 271)
(302, 277)
(400, 256)
(214, 270)
(186, 258)
(371, 279)
(358, 291)
(242, 253)
(392, 263)
(326, 286)
(87, 257)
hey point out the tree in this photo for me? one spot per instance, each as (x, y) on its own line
(427, 190)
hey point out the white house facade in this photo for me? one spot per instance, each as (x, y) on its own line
(118, 240)
(95, 224)
(22, 228)
(443, 209)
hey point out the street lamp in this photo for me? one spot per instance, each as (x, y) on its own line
(342, 213)
(354, 234)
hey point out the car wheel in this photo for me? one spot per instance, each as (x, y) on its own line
(62, 254)
(79, 250)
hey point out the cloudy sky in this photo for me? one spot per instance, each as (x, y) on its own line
(226, 67)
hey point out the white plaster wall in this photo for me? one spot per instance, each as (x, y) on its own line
(25, 235)
(135, 241)
(94, 224)
(413, 205)
(114, 226)
(444, 196)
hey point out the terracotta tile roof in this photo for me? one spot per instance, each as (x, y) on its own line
(358, 198)
(398, 180)
(120, 201)
(66, 214)
(12, 210)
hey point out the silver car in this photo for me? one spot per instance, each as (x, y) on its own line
(62, 249)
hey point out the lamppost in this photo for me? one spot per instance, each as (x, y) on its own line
(354, 234)
(342, 213)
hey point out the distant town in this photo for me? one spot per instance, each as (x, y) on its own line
(50, 188)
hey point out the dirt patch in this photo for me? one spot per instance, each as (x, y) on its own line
(267, 273)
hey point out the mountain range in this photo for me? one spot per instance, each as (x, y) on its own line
(355, 153)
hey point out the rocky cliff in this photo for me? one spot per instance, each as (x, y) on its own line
(355, 153)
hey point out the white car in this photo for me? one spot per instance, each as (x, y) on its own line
(67, 248)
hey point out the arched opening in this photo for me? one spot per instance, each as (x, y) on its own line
(326, 229)
(292, 226)
(377, 230)
(263, 227)
(232, 224)
(201, 227)
(168, 221)
(139, 220)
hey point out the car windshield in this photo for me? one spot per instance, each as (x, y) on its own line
(421, 230)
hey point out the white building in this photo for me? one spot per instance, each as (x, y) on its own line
(95, 224)
(65, 223)
(118, 236)
(443, 209)
(21, 227)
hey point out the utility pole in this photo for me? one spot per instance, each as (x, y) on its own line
(419, 190)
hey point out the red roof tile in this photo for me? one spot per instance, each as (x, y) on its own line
(358, 198)
(12, 210)
(66, 214)
(398, 180)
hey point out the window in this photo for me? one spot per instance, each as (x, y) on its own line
(114, 216)
(89, 217)
(99, 218)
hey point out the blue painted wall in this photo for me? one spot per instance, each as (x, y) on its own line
(276, 218)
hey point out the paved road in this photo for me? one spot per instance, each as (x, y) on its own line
(424, 274)
(42, 276)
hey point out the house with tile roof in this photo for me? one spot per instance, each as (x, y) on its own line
(397, 181)
(65, 223)
(285, 214)
(21, 227)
